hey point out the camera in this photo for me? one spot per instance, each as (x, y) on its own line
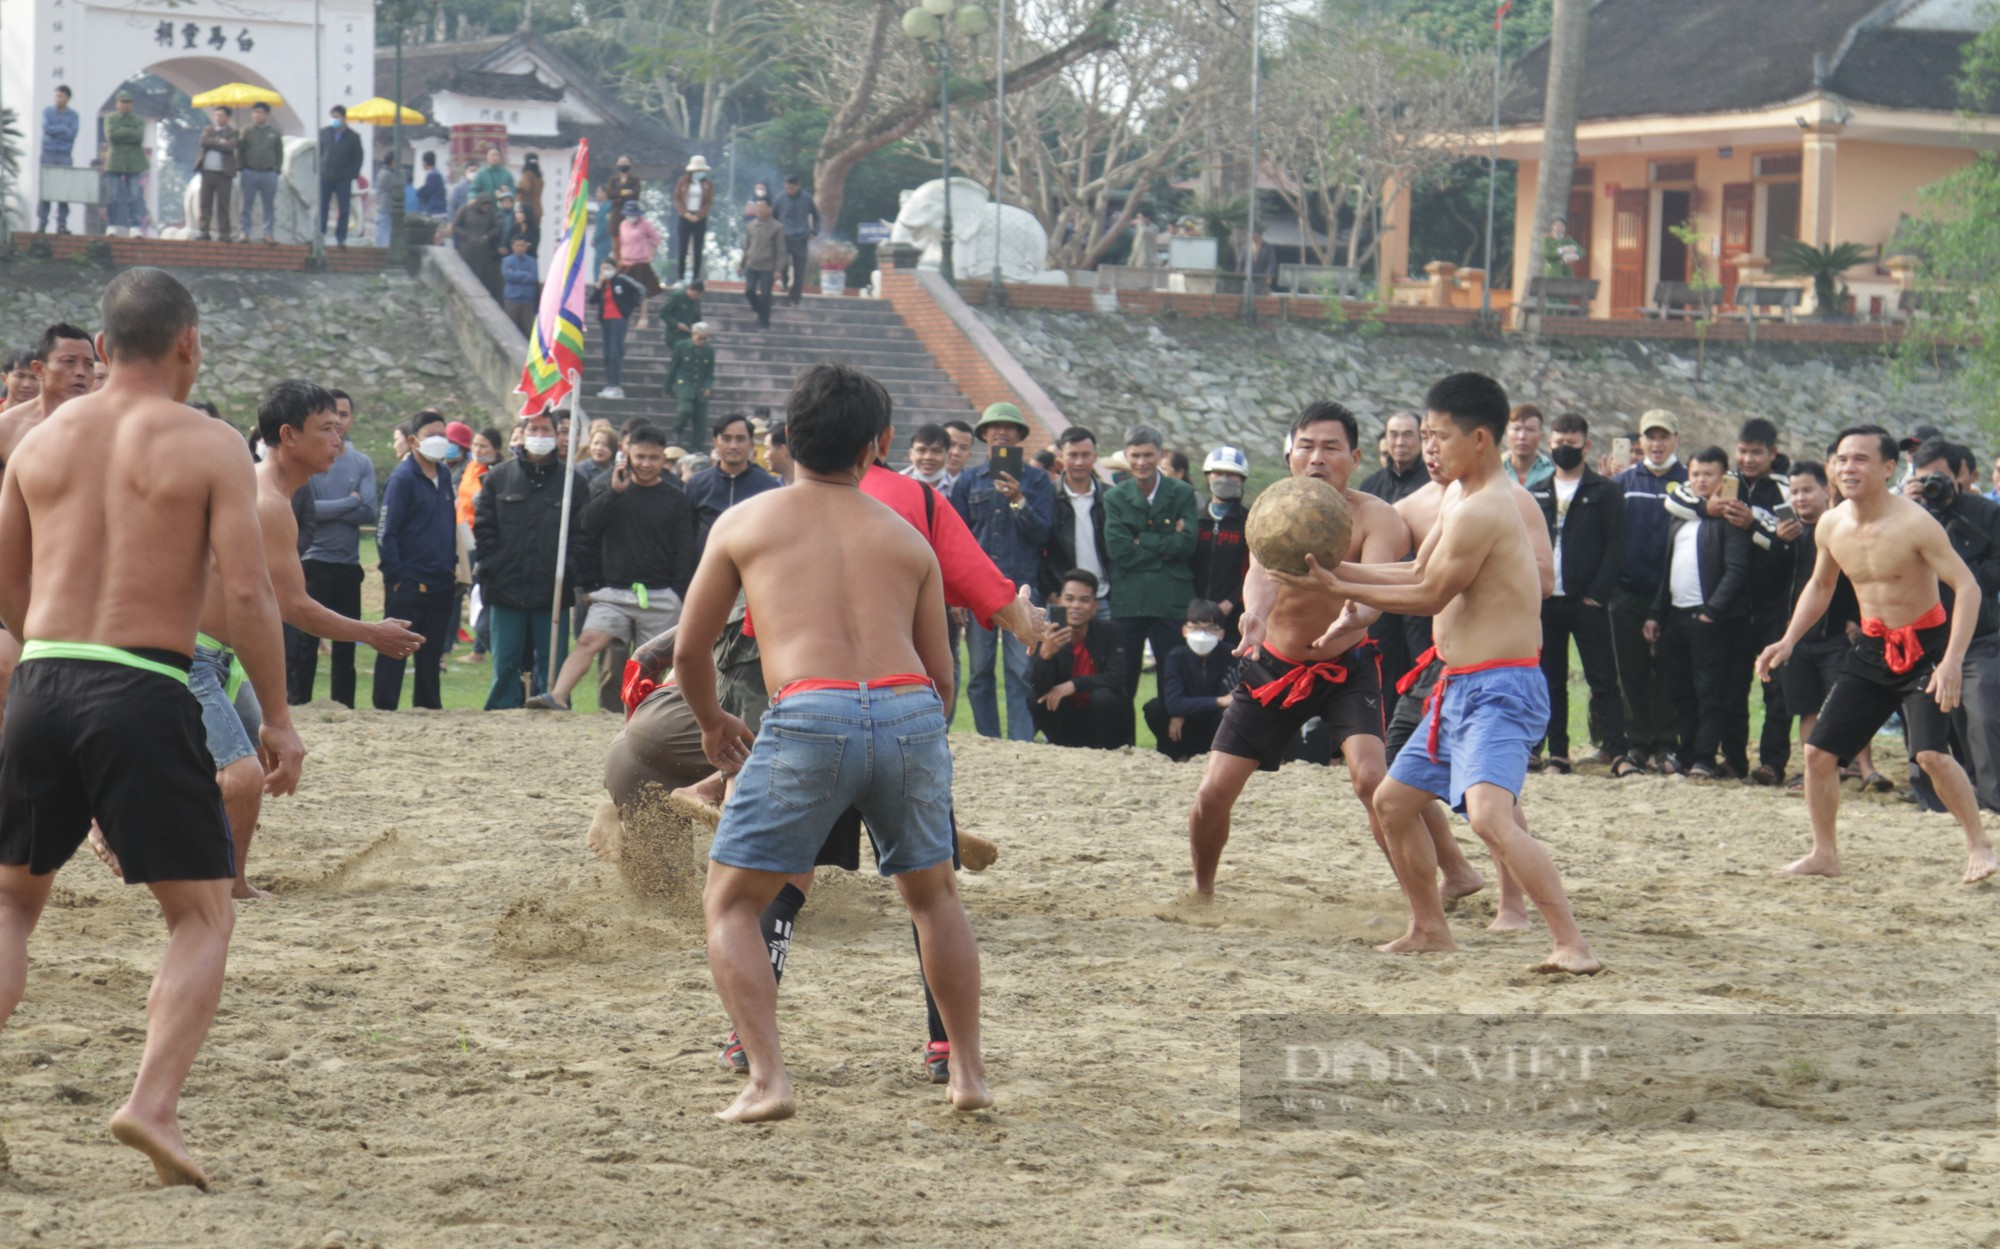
(1938, 492)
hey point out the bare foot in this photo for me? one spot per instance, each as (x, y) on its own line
(244, 891)
(976, 853)
(1464, 885)
(606, 838)
(163, 1145)
(758, 1103)
(1510, 919)
(1416, 942)
(1980, 864)
(708, 793)
(102, 849)
(968, 1092)
(1576, 960)
(1813, 864)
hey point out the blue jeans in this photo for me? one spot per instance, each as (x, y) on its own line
(614, 350)
(122, 189)
(255, 184)
(979, 686)
(329, 193)
(517, 633)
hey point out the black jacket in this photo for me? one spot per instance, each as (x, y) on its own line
(1593, 535)
(1106, 647)
(1190, 683)
(1843, 610)
(1221, 558)
(1059, 553)
(516, 521)
(1393, 485)
(1722, 557)
(1770, 558)
(340, 155)
(1973, 525)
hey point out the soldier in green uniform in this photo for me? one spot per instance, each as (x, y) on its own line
(125, 133)
(690, 377)
(681, 312)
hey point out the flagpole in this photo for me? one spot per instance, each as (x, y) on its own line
(562, 532)
(1493, 158)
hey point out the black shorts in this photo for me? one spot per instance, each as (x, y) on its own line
(842, 847)
(1348, 708)
(1867, 694)
(1409, 711)
(96, 739)
(1808, 676)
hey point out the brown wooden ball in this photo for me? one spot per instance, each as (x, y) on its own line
(1296, 516)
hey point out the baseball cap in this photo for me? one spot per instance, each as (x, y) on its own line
(999, 414)
(124, 97)
(1919, 435)
(1660, 418)
(1227, 460)
(459, 433)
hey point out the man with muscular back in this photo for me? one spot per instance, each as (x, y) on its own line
(110, 516)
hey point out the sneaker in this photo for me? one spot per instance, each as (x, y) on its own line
(611, 392)
(937, 1061)
(544, 702)
(732, 1057)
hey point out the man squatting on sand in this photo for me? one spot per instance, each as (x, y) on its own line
(1895, 554)
(856, 719)
(1476, 575)
(114, 514)
(300, 430)
(660, 748)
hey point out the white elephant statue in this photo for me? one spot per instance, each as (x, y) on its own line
(294, 206)
(1022, 244)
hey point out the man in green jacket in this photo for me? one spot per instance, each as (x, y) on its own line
(1149, 535)
(495, 177)
(260, 155)
(125, 133)
(689, 379)
(680, 313)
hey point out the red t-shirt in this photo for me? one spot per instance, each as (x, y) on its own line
(1084, 668)
(611, 312)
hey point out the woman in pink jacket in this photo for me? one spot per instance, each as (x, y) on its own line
(638, 240)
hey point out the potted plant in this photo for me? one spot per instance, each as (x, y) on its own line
(834, 257)
(1824, 265)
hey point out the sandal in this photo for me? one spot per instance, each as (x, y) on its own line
(1559, 767)
(1624, 766)
(1876, 783)
(1668, 765)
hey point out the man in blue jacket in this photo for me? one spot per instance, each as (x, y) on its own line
(417, 538)
(1197, 679)
(343, 501)
(1010, 518)
(1651, 728)
(60, 124)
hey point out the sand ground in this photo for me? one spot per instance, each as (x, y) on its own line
(458, 1028)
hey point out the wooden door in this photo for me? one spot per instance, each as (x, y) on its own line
(1580, 203)
(1628, 253)
(1737, 200)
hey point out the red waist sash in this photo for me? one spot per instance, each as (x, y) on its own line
(805, 685)
(1902, 648)
(636, 686)
(1435, 706)
(1297, 685)
(1416, 672)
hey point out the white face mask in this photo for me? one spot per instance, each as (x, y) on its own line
(1203, 643)
(436, 447)
(1225, 487)
(539, 445)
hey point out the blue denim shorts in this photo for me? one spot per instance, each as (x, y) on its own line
(228, 738)
(1492, 720)
(823, 751)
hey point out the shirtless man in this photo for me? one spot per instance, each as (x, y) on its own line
(1476, 575)
(301, 435)
(1296, 667)
(110, 516)
(851, 722)
(1420, 511)
(62, 370)
(1895, 555)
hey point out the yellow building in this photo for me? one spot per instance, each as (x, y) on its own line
(1759, 121)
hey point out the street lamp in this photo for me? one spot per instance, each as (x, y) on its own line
(926, 24)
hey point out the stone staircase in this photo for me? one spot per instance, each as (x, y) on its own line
(755, 368)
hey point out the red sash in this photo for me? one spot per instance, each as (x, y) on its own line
(1902, 648)
(636, 686)
(806, 685)
(1416, 672)
(1435, 706)
(1297, 685)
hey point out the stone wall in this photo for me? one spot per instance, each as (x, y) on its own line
(1206, 380)
(383, 339)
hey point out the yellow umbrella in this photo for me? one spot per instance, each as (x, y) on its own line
(238, 95)
(381, 112)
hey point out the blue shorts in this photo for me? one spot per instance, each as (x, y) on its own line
(1492, 720)
(228, 737)
(822, 751)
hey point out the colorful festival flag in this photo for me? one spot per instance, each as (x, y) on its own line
(555, 349)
